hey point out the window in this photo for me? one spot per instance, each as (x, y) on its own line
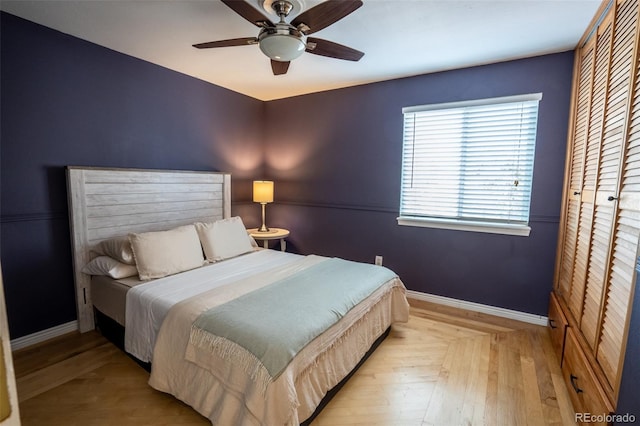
(469, 165)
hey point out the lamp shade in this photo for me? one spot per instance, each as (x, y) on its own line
(263, 191)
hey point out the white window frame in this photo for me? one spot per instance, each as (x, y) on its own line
(519, 228)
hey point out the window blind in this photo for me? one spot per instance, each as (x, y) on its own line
(470, 161)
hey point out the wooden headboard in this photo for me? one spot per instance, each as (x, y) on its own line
(106, 203)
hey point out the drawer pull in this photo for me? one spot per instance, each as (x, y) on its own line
(573, 383)
(552, 323)
(611, 198)
(576, 192)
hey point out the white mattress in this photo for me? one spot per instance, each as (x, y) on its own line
(109, 295)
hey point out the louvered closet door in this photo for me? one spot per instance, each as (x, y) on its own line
(594, 138)
(627, 221)
(576, 171)
(613, 135)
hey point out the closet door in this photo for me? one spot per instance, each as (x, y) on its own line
(615, 108)
(617, 296)
(586, 235)
(576, 171)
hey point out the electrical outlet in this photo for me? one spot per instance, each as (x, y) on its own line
(378, 260)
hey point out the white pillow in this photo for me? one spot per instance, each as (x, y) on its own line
(104, 265)
(117, 248)
(224, 238)
(163, 253)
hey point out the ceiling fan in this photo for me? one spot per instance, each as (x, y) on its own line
(283, 42)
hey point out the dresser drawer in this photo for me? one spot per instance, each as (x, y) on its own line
(557, 325)
(587, 395)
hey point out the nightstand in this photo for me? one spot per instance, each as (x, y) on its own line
(272, 234)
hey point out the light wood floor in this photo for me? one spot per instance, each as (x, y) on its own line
(444, 367)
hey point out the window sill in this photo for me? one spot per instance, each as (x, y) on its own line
(504, 229)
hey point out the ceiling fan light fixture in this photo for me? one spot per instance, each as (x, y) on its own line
(284, 41)
(282, 47)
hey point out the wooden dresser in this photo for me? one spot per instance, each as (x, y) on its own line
(600, 222)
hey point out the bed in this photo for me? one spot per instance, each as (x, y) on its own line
(244, 335)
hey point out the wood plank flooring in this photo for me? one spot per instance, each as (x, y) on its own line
(444, 367)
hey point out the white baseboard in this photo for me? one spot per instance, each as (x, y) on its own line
(478, 307)
(41, 336)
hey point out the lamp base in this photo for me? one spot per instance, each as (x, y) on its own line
(263, 228)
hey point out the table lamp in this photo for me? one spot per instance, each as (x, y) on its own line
(263, 194)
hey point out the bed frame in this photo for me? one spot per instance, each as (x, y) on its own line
(110, 202)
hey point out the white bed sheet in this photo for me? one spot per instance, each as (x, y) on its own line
(148, 304)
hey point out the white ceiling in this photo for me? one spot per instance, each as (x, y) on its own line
(399, 37)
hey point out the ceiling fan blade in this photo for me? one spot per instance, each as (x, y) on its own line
(248, 12)
(227, 43)
(325, 14)
(279, 68)
(321, 47)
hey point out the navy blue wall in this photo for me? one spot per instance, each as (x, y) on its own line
(69, 102)
(336, 161)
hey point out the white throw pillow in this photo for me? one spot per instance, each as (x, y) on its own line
(224, 238)
(163, 253)
(105, 265)
(118, 248)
